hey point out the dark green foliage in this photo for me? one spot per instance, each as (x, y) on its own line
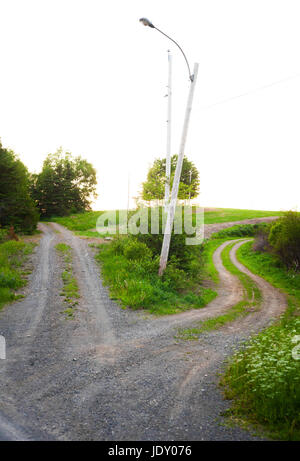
(180, 253)
(242, 230)
(16, 205)
(131, 270)
(154, 187)
(65, 185)
(284, 238)
(12, 256)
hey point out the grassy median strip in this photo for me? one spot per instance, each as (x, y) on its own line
(263, 379)
(70, 289)
(13, 256)
(250, 302)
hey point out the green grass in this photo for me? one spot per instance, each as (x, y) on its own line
(132, 276)
(81, 223)
(250, 302)
(13, 255)
(239, 230)
(271, 269)
(84, 222)
(70, 290)
(220, 215)
(263, 379)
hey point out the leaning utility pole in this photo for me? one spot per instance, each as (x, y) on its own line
(168, 152)
(171, 209)
(172, 205)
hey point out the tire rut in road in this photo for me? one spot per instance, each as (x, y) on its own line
(134, 381)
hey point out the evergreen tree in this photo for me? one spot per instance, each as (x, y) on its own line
(16, 205)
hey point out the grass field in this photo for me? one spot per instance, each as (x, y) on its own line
(83, 223)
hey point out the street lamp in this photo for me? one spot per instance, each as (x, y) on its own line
(171, 208)
(148, 23)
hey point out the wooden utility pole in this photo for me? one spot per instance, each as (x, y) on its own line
(168, 152)
(171, 209)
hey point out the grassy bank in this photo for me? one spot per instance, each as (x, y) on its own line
(13, 255)
(264, 377)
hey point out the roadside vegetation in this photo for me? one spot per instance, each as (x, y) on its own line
(130, 268)
(240, 230)
(70, 290)
(13, 256)
(263, 379)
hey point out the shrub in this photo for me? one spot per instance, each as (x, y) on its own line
(261, 242)
(242, 230)
(135, 250)
(10, 278)
(3, 235)
(284, 238)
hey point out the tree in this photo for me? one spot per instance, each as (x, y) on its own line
(154, 187)
(284, 238)
(65, 185)
(16, 205)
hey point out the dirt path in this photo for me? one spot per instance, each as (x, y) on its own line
(212, 228)
(114, 374)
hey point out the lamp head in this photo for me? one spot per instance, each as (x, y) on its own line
(146, 22)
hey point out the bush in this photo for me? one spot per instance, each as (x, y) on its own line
(284, 238)
(242, 230)
(10, 278)
(3, 235)
(135, 250)
(261, 242)
(12, 256)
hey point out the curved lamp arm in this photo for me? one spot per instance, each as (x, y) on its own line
(148, 23)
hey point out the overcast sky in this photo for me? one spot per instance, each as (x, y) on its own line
(87, 76)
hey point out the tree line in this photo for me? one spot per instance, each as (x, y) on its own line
(65, 185)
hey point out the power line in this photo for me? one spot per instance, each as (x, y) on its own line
(254, 90)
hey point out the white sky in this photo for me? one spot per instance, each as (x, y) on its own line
(87, 76)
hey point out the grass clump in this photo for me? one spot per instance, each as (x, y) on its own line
(264, 377)
(70, 290)
(130, 268)
(13, 255)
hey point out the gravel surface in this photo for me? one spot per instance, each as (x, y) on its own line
(110, 373)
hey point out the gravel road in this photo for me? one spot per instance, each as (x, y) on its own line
(114, 374)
